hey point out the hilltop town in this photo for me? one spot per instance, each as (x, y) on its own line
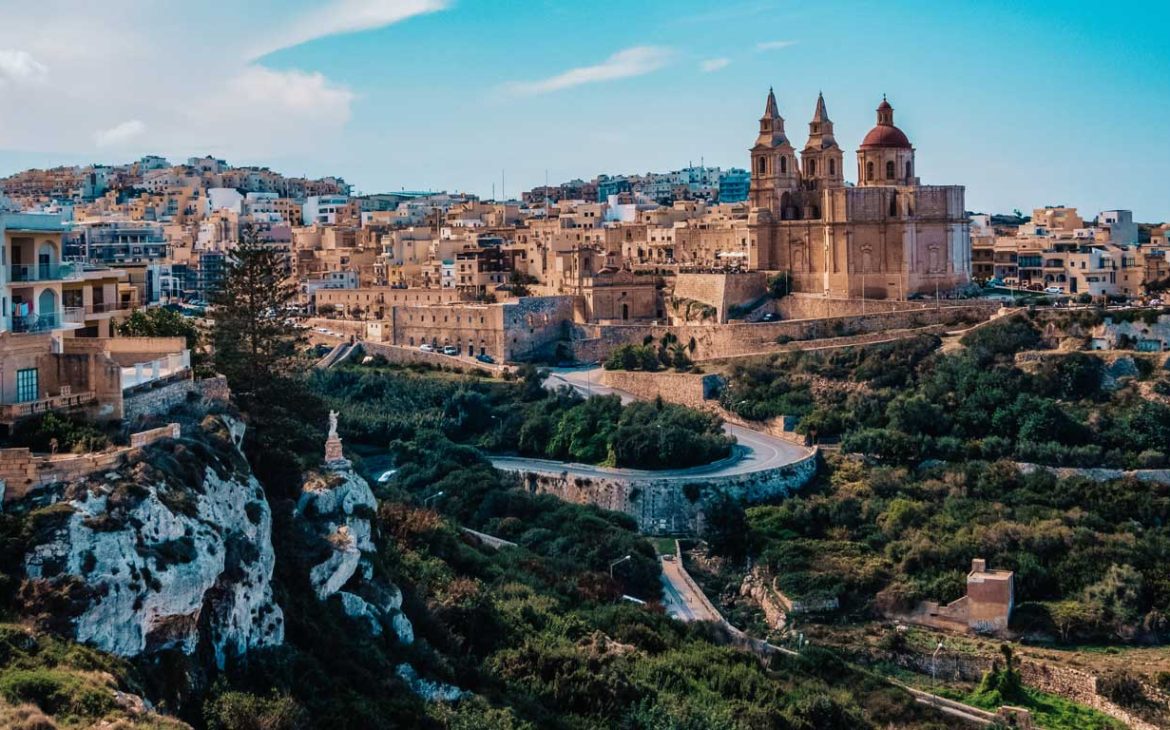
(814, 410)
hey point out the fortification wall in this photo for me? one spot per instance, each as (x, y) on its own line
(594, 342)
(722, 291)
(815, 306)
(665, 504)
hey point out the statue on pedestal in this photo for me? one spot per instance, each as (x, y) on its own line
(333, 453)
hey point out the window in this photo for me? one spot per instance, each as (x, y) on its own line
(909, 170)
(812, 167)
(832, 167)
(26, 385)
(890, 170)
(783, 165)
(762, 165)
(869, 171)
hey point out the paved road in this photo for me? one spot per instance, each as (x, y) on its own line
(680, 598)
(754, 451)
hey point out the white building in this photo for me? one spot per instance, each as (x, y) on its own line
(322, 209)
(1120, 226)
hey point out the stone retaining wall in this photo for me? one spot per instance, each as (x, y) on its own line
(158, 400)
(415, 356)
(22, 471)
(671, 504)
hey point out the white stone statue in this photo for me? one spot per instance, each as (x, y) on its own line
(333, 424)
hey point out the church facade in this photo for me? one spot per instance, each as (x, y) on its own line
(886, 237)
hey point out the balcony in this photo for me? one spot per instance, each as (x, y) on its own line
(163, 368)
(11, 412)
(22, 273)
(48, 321)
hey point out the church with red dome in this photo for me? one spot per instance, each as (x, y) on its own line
(883, 236)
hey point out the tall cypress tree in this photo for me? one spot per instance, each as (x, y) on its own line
(255, 339)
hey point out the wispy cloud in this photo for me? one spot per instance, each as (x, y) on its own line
(119, 134)
(774, 45)
(714, 64)
(636, 61)
(20, 67)
(345, 16)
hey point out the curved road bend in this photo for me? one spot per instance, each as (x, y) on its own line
(755, 451)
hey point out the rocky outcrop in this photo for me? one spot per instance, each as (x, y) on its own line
(429, 690)
(338, 506)
(166, 553)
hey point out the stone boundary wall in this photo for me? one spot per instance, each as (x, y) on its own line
(415, 356)
(662, 504)
(1068, 682)
(1158, 476)
(713, 342)
(22, 471)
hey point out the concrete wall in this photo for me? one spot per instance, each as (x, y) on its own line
(661, 504)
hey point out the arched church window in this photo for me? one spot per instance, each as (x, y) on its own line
(812, 167)
(909, 170)
(783, 165)
(832, 167)
(762, 165)
(890, 170)
(869, 170)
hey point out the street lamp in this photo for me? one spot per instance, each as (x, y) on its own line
(616, 563)
(434, 496)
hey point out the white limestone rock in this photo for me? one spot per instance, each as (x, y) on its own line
(339, 506)
(158, 558)
(429, 690)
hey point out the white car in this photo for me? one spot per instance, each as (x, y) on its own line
(1054, 290)
(451, 350)
(426, 348)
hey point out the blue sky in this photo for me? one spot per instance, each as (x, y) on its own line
(1026, 103)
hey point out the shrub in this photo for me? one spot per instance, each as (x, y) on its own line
(243, 711)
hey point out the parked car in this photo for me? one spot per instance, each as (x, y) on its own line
(426, 348)
(486, 359)
(1054, 290)
(768, 317)
(451, 350)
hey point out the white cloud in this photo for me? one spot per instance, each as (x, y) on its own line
(714, 64)
(290, 91)
(774, 45)
(636, 61)
(345, 16)
(20, 67)
(119, 134)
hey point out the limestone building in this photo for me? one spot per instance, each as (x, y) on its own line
(889, 236)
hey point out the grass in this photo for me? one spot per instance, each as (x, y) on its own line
(1048, 711)
(663, 545)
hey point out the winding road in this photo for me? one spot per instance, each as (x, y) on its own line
(754, 451)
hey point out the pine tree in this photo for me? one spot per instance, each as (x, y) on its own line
(255, 338)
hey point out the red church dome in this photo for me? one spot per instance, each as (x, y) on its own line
(885, 134)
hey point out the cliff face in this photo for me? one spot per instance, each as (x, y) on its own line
(338, 506)
(165, 553)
